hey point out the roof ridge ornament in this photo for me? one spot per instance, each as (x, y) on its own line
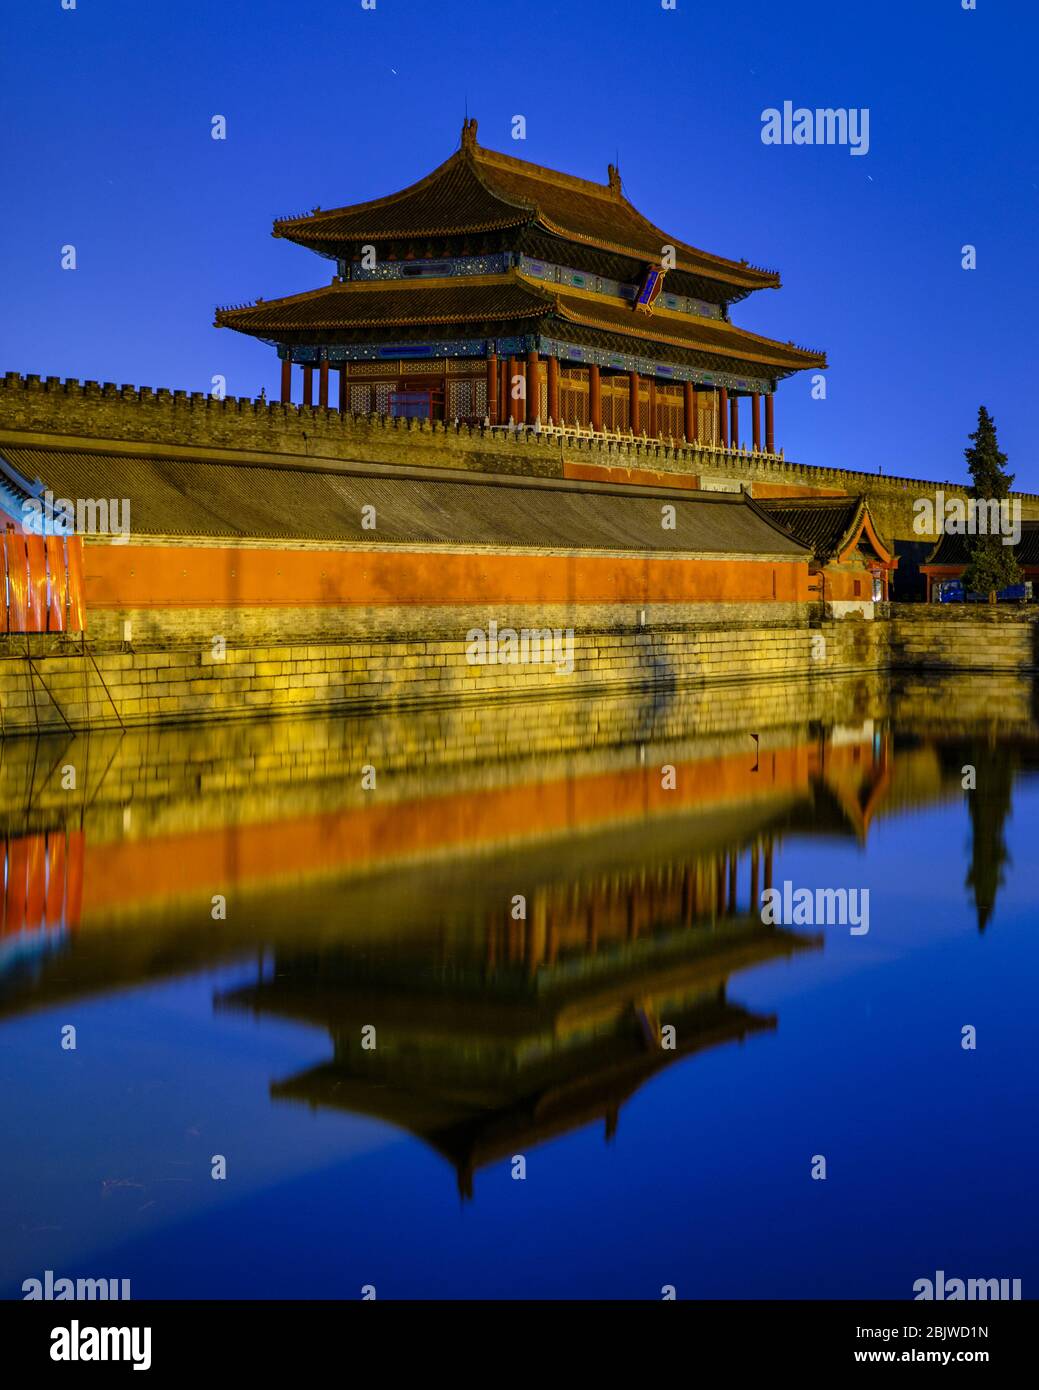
(468, 142)
(613, 176)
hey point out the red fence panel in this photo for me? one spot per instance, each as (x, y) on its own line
(36, 551)
(77, 599)
(58, 592)
(17, 580)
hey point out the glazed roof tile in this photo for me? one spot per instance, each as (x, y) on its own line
(479, 190)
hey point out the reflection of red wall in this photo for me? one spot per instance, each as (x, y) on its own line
(126, 872)
(127, 576)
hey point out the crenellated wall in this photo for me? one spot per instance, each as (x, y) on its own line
(94, 414)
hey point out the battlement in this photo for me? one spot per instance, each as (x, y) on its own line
(104, 411)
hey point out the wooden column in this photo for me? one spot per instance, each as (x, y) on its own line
(286, 381)
(689, 404)
(492, 387)
(734, 421)
(322, 384)
(514, 404)
(768, 863)
(651, 426)
(595, 397)
(633, 405)
(503, 392)
(770, 424)
(533, 389)
(723, 416)
(553, 390)
(308, 385)
(755, 420)
(344, 390)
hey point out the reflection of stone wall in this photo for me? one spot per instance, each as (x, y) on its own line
(176, 778)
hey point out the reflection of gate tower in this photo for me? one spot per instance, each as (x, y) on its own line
(521, 1031)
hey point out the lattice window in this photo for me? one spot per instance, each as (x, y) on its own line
(360, 399)
(371, 368)
(459, 400)
(382, 392)
(670, 413)
(706, 418)
(573, 400)
(615, 407)
(480, 398)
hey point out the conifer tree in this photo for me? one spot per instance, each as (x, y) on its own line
(992, 564)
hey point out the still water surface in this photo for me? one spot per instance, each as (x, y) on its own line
(392, 909)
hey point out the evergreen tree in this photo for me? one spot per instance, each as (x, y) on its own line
(992, 565)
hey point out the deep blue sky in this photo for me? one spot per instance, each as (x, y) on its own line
(106, 115)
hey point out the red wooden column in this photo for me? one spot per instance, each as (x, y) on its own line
(533, 389)
(553, 390)
(734, 421)
(651, 426)
(770, 424)
(755, 420)
(595, 397)
(344, 390)
(503, 392)
(689, 411)
(286, 381)
(514, 404)
(723, 416)
(308, 385)
(492, 387)
(322, 384)
(633, 406)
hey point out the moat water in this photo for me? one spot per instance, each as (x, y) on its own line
(416, 1029)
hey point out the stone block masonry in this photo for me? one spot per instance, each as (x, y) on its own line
(67, 688)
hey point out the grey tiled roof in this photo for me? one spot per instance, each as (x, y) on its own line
(284, 500)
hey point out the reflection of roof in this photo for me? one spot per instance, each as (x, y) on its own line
(202, 497)
(476, 1073)
(489, 299)
(471, 1134)
(478, 190)
(953, 550)
(829, 525)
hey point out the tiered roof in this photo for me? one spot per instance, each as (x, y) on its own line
(478, 190)
(513, 299)
(471, 226)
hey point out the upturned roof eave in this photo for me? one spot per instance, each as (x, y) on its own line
(308, 230)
